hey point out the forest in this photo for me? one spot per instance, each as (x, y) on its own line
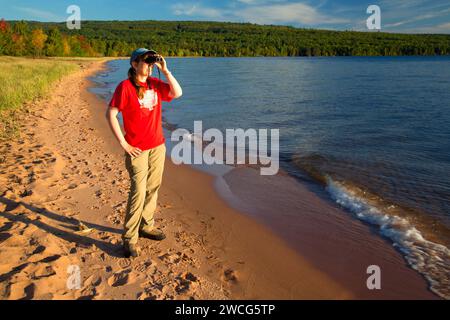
(205, 38)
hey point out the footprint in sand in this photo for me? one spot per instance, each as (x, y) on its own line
(124, 263)
(155, 294)
(160, 280)
(43, 271)
(164, 287)
(121, 278)
(23, 290)
(148, 267)
(229, 275)
(88, 293)
(39, 249)
(4, 236)
(178, 258)
(185, 282)
(93, 280)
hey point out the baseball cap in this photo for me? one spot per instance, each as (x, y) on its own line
(138, 52)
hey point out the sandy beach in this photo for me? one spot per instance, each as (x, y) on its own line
(63, 191)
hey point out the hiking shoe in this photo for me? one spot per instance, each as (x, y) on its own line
(153, 234)
(130, 250)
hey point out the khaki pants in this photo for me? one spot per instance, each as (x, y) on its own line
(145, 172)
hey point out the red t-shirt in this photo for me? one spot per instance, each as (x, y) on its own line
(142, 118)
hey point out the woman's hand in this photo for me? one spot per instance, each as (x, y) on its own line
(162, 65)
(132, 151)
(175, 89)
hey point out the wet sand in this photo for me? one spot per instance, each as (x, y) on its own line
(66, 168)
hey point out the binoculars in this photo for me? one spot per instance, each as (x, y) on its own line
(153, 58)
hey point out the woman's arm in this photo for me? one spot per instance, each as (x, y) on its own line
(175, 89)
(111, 115)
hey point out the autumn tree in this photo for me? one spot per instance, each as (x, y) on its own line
(38, 38)
(19, 38)
(5, 36)
(67, 49)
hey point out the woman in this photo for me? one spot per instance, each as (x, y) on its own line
(139, 98)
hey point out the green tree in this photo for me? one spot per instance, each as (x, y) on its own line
(54, 45)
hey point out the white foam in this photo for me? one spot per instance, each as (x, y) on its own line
(431, 259)
(253, 156)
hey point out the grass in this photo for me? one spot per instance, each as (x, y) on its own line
(25, 79)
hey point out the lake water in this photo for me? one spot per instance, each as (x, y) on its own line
(374, 132)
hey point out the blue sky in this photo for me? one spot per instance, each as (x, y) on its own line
(408, 16)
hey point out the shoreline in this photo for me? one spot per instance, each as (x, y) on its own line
(341, 221)
(212, 251)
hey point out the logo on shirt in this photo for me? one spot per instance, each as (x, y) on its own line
(150, 100)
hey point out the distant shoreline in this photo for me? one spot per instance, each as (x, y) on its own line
(209, 38)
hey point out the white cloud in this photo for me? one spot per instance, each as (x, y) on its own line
(427, 16)
(254, 2)
(40, 14)
(402, 4)
(183, 9)
(443, 28)
(282, 13)
(397, 15)
(287, 13)
(250, 1)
